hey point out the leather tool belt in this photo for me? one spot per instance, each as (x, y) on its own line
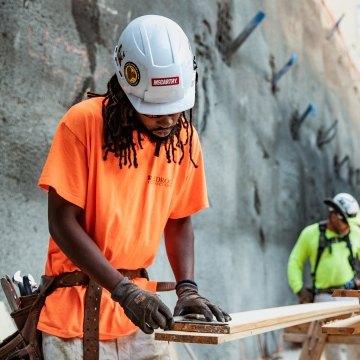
(26, 342)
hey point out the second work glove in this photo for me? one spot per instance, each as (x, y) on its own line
(306, 296)
(142, 307)
(353, 284)
(190, 302)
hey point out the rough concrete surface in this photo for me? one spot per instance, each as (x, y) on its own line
(265, 182)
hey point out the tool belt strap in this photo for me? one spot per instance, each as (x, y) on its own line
(76, 278)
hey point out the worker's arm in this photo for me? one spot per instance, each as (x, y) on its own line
(179, 242)
(64, 226)
(143, 308)
(297, 258)
(355, 242)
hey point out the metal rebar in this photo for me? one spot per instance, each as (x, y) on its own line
(276, 77)
(297, 121)
(335, 27)
(338, 164)
(326, 136)
(310, 110)
(249, 28)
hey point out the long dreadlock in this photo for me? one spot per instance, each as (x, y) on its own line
(120, 122)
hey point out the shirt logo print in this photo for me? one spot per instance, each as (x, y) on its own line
(159, 181)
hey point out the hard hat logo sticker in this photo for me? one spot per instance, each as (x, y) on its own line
(132, 73)
(167, 81)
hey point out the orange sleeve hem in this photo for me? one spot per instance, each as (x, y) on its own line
(189, 212)
(45, 183)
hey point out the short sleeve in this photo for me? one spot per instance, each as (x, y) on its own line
(193, 195)
(66, 168)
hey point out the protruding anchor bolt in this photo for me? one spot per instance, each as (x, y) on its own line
(357, 180)
(297, 121)
(310, 110)
(335, 27)
(249, 28)
(324, 137)
(339, 164)
(276, 76)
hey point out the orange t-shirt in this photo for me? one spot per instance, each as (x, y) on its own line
(126, 211)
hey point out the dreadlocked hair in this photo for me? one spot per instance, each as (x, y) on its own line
(120, 122)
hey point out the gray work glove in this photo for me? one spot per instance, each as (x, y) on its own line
(142, 307)
(190, 302)
(306, 296)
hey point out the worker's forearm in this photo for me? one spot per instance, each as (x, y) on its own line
(85, 254)
(179, 242)
(72, 239)
(295, 275)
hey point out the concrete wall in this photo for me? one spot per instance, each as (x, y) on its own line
(264, 186)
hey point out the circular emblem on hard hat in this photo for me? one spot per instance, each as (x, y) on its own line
(132, 73)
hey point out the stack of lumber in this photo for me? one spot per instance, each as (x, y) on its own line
(249, 323)
(349, 326)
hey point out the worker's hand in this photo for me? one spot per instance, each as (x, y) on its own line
(350, 285)
(353, 284)
(306, 296)
(142, 307)
(357, 282)
(190, 302)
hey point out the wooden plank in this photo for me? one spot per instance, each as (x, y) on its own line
(346, 293)
(294, 337)
(350, 326)
(255, 322)
(343, 339)
(303, 328)
(249, 320)
(331, 339)
(210, 338)
(297, 329)
(202, 328)
(266, 317)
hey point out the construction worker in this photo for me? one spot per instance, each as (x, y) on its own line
(124, 168)
(333, 248)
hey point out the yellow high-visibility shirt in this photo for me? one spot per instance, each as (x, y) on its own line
(333, 270)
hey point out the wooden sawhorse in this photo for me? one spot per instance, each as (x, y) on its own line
(343, 329)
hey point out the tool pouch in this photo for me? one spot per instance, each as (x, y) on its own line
(11, 345)
(25, 343)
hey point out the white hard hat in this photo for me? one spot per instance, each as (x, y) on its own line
(344, 204)
(155, 66)
(356, 220)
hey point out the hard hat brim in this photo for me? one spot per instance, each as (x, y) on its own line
(336, 208)
(142, 107)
